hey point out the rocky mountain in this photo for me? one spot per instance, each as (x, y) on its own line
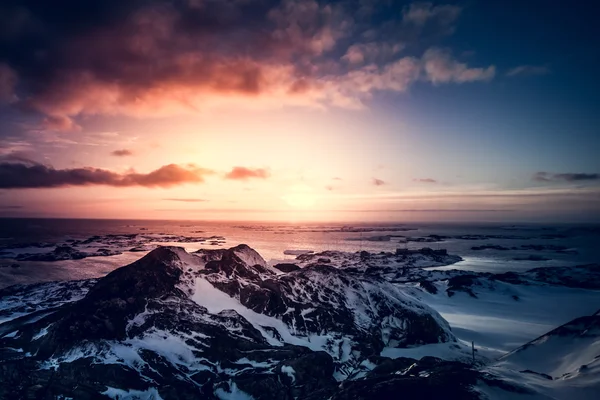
(222, 324)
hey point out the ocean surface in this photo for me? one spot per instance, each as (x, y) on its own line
(548, 245)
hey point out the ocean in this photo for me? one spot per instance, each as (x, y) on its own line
(514, 247)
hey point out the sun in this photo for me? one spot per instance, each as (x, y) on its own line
(300, 196)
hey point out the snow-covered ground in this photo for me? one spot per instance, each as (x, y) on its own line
(498, 322)
(351, 307)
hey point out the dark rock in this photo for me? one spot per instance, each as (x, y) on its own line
(462, 283)
(428, 286)
(286, 267)
(490, 247)
(528, 371)
(531, 258)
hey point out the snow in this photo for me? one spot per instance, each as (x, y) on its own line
(216, 301)
(88, 350)
(289, 371)
(255, 364)
(119, 394)
(41, 333)
(498, 323)
(234, 393)
(11, 335)
(249, 256)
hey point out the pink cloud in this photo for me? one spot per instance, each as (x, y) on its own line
(425, 180)
(122, 153)
(60, 123)
(243, 173)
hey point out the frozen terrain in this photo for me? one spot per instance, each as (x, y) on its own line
(223, 323)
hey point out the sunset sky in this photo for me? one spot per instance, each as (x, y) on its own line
(300, 110)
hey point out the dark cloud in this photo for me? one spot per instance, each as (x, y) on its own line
(188, 200)
(8, 81)
(122, 153)
(378, 182)
(425, 180)
(32, 175)
(565, 177)
(68, 58)
(243, 173)
(528, 70)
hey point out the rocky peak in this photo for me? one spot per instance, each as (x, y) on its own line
(240, 261)
(106, 309)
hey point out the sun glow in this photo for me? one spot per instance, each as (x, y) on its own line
(300, 196)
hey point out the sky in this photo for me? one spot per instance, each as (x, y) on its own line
(300, 110)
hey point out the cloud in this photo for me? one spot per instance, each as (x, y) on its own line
(528, 70)
(565, 177)
(337, 178)
(8, 82)
(440, 67)
(378, 182)
(154, 58)
(329, 188)
(371, 52)
(122, 153)
(243, 173)
(421, 13)
(60, 123)
(33, 175)
(188, 200)
(425, 180)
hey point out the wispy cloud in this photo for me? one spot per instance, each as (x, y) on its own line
(425, 180)
(122, 153)
(61, 123)
(8, 81)
(243, 173)
(378, 182)
(440, 67)
(33, 175)
(421, 13)
(188, 200)
(564, 177)
(528, 70)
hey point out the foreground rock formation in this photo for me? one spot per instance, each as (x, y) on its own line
(222, 324)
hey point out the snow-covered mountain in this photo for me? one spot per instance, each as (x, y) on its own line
(222, 324)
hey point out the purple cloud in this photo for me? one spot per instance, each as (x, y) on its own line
(122, 153)
(33, 175)
(564, 177)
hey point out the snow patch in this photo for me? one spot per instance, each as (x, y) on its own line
(41, 333)
(289, 371)
(11, 335)
(120, 394)
(234, 393)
